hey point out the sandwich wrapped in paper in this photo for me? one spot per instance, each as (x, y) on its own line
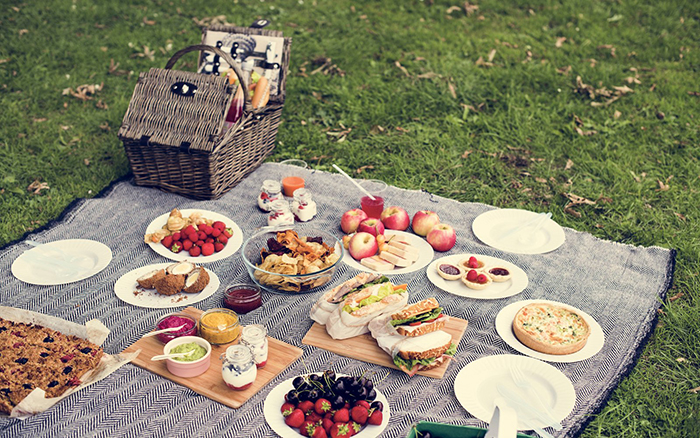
(330, 301)
(412, 336)
(353, 315)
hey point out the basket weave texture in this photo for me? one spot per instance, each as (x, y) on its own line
(177, 143)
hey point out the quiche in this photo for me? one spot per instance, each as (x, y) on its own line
(551, 329)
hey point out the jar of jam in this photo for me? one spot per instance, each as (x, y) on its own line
(172, 320)
(270, 192)
(303, 207)
(219, 326)
(243, 298)
(239, 370)
(254, 336)
(280, 214)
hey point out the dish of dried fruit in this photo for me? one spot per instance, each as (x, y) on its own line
(166, 285)
(477, 276)
(193, 234)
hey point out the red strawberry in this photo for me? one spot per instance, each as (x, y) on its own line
(287, 408)
(209, 240)
(177, 247)
(215, 233)
(360, 414)
(199, 243)
(177, 236)
(341, 416)
(228, 232)
(375, 418)
(188, 230)
(327, 423)
(195, 251)
(295, 419)
(223, 239)
(202, 235)
(322, 406)
(218, 246)
(187, 244)
(193, 236)
(319, 432)
(207, 249)
(206, 228)
(167, 241)
(313, 416)
(340, 430)
(219, 226)
(354, 428)
(307, 428)
(364, 403)
(306, 406)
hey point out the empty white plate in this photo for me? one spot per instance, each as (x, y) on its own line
(496, 229)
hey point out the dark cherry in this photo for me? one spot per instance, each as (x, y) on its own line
(293, 397)
(298, 381)
(314, 395)
(377, 405)
(449, 269)
(337, 402)
(371, 395)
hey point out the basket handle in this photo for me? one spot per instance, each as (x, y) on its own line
(203, 47)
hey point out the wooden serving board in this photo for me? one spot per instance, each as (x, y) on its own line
(211, 384)
(365, 348)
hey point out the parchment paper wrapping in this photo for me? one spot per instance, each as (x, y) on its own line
(93, 331)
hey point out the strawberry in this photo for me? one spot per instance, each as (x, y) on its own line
(177, 236)
(306, 406)
(360, 414)
(187, 244)
(218, 246)
(327, 423)
(341, 415)
(188, 230)
(322, 406)
(207, 249)
(319, 432)
(199, 243)
(193, 236)
(209, 240)
(177, 247)
(287, 408)
(167, 241)
(307, 428)
(202, 235)
(195, 251)
(472, 275)
(375, 418)
(354, 428)
(364, 403)
(313, 417)
(215, 233)
(223, 239)
(340, 430)
(206, 228)
(219, 226)
(228, 232)
(295, 419)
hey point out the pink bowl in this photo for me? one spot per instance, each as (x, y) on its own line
(188, 369)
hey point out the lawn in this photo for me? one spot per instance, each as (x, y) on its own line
(588, 109)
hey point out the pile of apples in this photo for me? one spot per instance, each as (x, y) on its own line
(368, 237)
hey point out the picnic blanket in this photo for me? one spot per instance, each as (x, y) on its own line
(621, 286)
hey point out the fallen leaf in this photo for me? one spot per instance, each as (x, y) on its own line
(86, 161)
(104, 49)
(23, 31)
(528, 57)
(481, 63)
(492, 54)
(83, 92)
(694, 390)
(65, 127)
(376, 129)
(564, 70)
(560, 41)
(113, 69)
(2, 61)
(466, 153)
(676, 296)
(569, 164)
(303, 123)
(428, 75)
(41, 119)
(101, 105)
(693, 93)
(15, 8)
(37, 186)
(148, 22)
(632, 80)
(363, 168)
(105, 127)
(607, 47)
(400, 129)
(452, 9)
(662, 186)
(572, 212)
(617, 114)
(681, 359)
(680, 216)
(593, 62)
(541, 180)
(452, 90)
(470, 9)
(402, 68)
(100, 26)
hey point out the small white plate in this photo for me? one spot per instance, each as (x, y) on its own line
(493, 227)
(273, 414)
(93, 257)
(517, 283)
(476, 385)
(234, 242)
(128, 290)
(424, 248)
(504, 327)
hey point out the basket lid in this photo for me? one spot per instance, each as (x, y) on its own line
(175, 108)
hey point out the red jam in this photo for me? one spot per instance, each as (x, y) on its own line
(242, 298)
(189, 329)
(499, 271)
(449, 269)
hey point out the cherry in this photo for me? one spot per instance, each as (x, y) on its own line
(472, 275)
(481, 279)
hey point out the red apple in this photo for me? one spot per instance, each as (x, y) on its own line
(362, 245)
(351, 220)
(395, 218)
(442, 237)
(424, 221)
(372, 226)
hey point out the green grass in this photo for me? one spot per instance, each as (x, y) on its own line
(504, 134)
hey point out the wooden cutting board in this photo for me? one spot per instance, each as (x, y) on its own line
(211, 384)
(365, 348)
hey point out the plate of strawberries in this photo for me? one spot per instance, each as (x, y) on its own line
(326, 405)
(190, 234)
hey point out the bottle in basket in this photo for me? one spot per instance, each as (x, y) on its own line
(270, 192)
(255, 337)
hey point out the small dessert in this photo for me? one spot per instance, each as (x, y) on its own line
(303, 207)
(449, 271)
(551, 329)
(471, 263)
(499, 274)
(170, 284)
(476, 280)
(148, 281)
(196, 281)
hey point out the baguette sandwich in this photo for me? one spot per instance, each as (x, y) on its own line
(413, 337)
(330, 301)
(354, 313)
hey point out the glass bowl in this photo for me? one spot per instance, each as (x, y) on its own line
(219, 326)
(176, 320)
(289, 283)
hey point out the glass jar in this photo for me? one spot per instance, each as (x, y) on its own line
(270, 192)
(242, 297)
(219, 326)
(280, 214)
(254, 336)
(176, 320)
(303, 207)
(239, 370)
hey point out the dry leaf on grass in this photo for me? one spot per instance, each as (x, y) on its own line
(481, 63)
(451, 86)
(575, 201)
(694, 390)
(663, 186)
(40, 119)
(363, 168)
(676, 296)
(452, 9)
(560, 42)
(208, 21)
(607, 47)
(326, 67)
(492, 54)
(680, 216)
(580, 125)
(37, 186)
(564, 70)
(83, 92)
(402, 68)
(148, 22)
(593, 93)
(569, 164)
(23, 31)
(470, 9)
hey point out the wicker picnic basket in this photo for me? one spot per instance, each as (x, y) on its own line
(174, 137)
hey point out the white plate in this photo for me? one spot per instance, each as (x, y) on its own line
(231, 247)
(128, 290)
(517, 283)
(93, 257)
(504, 327)
(476, 385)
(273, 414)
(424, 248)
(493, 227)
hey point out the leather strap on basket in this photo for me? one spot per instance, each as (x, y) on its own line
(203, 47)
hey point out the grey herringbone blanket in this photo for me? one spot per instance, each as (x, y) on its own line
(621, 286)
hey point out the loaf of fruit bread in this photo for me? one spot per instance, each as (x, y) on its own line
(551, 329)
(32, 356)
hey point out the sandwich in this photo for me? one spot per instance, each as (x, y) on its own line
(412, 336)
(329, 301)
(354, 313)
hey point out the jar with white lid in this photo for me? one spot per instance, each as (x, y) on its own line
(239, 370)
(255, 338)
(270, 192)
(280, 214)
(303, 207)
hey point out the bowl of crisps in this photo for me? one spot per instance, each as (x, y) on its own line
(297, 260)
